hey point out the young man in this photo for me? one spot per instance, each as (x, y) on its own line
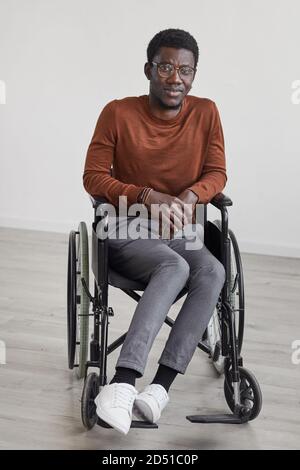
(166, 147)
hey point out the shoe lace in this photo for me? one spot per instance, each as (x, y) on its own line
(123, 398)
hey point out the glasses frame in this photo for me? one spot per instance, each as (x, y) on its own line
(174, 68)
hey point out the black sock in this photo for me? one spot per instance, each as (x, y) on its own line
(124, 375)
(164, 376)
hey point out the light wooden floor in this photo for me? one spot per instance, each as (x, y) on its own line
(40, 396)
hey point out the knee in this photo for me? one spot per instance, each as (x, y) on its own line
(217, 272)
(214, 273)
(183, 268)
(179, 266)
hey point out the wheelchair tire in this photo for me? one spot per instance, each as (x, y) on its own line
(71, 317)
(241, 294)
(251, 396)
(237, 301)
(88, 407)
(78, 301)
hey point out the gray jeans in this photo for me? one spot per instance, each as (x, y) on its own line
(166, 266)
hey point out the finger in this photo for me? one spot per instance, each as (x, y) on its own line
(178, 222)
(188, 209)
(175, 211)
(179, 212)
(171, 218)
(168, 220)
(167, 224)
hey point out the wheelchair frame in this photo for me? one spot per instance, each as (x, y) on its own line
(217, 240)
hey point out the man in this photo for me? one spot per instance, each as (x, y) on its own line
(166, 148)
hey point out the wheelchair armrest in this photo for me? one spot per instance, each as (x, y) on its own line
(97, 200)
(220, 201)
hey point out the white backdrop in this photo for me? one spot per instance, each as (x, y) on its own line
(63, 60)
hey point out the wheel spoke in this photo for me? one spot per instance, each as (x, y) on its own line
(248, 394)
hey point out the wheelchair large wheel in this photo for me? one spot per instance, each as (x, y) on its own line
(78, 301)
(237, 301)
(88, 407)
(251, 396)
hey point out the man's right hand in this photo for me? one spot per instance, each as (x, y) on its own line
(171, 213)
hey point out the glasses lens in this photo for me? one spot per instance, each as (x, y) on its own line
(166, 70)
(186, 71)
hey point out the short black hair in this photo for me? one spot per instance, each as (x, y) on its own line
(173, 37)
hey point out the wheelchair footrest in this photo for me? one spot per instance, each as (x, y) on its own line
(103, 424)
(209, 419)
(134, 424)
(143, 424)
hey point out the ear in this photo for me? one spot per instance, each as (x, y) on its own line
(147, 70)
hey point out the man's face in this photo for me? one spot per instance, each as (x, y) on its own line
(161, 87)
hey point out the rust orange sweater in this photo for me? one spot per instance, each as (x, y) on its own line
(185, 152)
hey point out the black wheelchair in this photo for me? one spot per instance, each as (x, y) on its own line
(222, 340)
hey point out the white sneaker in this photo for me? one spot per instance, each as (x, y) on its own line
(114, 405)
(150, 403)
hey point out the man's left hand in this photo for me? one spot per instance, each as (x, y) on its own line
(190, 198)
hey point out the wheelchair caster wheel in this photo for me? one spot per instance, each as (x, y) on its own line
(245, 412)
(88, 407)
(251, 397)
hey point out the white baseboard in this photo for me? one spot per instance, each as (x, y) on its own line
(246, 246)
(42, 225)
(287, 251)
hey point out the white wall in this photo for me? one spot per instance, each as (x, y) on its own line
(63, 60)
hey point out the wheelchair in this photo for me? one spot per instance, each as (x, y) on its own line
(222, 340)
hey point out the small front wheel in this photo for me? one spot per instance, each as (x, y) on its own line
(88, 407)
(251, 396)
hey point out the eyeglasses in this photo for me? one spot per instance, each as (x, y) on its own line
(167, 70)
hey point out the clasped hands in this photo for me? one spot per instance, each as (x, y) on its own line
(176, 211)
